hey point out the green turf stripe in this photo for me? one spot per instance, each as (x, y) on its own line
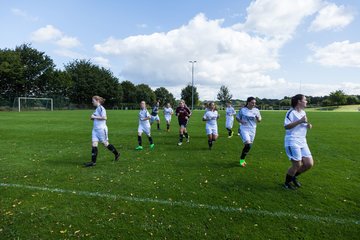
(295, 216)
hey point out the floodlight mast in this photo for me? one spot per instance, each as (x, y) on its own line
(192, 84)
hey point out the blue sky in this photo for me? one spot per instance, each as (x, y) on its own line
(264, 48)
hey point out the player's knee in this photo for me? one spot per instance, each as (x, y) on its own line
(94, 144)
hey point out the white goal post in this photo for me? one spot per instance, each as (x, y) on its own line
(33, 98)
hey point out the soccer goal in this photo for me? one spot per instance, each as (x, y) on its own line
(32, 103)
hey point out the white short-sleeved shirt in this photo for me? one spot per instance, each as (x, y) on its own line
(144, 113)
(230, 112)
(249, 116)
(100, 112)
(297, 135)
(168, 112)
(211, 117)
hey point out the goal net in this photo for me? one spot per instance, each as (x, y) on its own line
(33, 104)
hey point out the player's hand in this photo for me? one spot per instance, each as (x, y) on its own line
(187, 118)
(309, 126)
(303, 119)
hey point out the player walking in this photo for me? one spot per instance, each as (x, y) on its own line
(230, 112)
(155, 114)
(144, 126)
(100, 131)
(296, 125)
(248, 117)
(168, 112)
(183, 113)
(211, 116)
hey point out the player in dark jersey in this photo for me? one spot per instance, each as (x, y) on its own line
(183, 113)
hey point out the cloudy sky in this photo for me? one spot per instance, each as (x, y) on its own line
(263, 48)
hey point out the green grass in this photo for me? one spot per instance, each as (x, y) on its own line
(47, 149)
(343, 108)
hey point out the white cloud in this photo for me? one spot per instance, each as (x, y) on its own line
(337, 54)
(68, 42)
(277, 18)
(24, 14)
(104, 62)
(45, 34)
(69, 53)
(332, 17)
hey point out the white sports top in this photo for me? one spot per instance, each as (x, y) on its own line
(230, 111)
(296, 135)
(168, 111)
(142, 115)
(211, 117)
(249, 116)
(101, 112)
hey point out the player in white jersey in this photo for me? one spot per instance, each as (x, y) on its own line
(168, 112)
(296, 125)
(155, 114)
(230, 112)
(144, 126)
(248, 117)
(100, 131)
(210, 117)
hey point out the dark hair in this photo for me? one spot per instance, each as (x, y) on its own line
(295, 99)
(249, 99)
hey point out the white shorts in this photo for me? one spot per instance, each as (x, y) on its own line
(100, 135)
(229, 122)
(297, 153)
(168, 118)
(154, 118)
(247, 135)
(211, 130)
(144, 128)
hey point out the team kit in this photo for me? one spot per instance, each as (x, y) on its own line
(295, 124)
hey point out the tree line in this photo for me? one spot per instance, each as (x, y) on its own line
(27, 72)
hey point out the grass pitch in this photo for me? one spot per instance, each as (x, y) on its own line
(172, 192)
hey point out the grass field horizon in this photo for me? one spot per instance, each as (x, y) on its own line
(172, 192)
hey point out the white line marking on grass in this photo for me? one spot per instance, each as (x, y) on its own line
(311, 218)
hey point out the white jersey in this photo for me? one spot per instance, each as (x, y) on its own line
(297, 135)
(249, 117)
(168, 112)
(211, 117)
(100, 112)
(143, 114)
(230, 112)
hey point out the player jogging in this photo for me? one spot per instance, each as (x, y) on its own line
(248, 117)
(168, 111)
(183, 113)
(144, 126)
(100, 131)
(155, 114)
(211, 116)
(230, 112)
(296, 125)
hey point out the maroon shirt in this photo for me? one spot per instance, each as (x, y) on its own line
(182, 113)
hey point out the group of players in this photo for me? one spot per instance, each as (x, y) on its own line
(295, 124)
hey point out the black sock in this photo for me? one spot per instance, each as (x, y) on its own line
(288, 178)
(210, 142)
(150, 140)
(167, 126)
(139, 141)
(158, 125)
(297, 174)
(245, 151)
(181, 137)
(94, 152)
(186, 135)
(229, 131)
(112, 149)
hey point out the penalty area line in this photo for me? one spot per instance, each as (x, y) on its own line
(219, 208)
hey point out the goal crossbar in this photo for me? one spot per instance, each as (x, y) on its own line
(33, 98)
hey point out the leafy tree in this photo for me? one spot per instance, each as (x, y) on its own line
(352, 100)
(337, 98)
(129, 90)
(89, 80)
(224, 95)
(186, 95)
(145, 93)
(164, 96)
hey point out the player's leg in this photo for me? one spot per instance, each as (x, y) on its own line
(94, 149)
(158, 122)
(139, 138)
(246, 138)
(105, 141)
(294, 154)
(181, 133)
(147, 131)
